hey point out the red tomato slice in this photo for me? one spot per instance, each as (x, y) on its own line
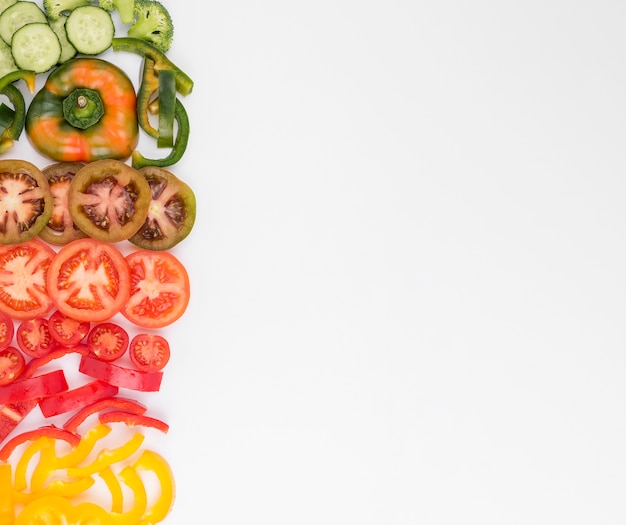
(11, 365)
(107, 341)
(149, 352)
(33, 337)
(89, 280)
(23, 269)
(159, 289)
(67, 331)
(76, 399)
(6, 330)
(120, 376)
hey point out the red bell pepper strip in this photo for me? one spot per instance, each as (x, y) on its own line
(61, 351)
(48, 431)
(120, 376)
(132, 420)
(34, 387)
(76, 399)
(12, 414)
(120, 403)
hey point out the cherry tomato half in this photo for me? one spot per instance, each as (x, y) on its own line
(159, 289)
(33, 337)
(6, 330)
(107, 341)
(149, 352)
(11, 365)
(67, 331)
(23, 270)
(89, 280)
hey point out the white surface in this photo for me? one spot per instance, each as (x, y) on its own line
(408, 268)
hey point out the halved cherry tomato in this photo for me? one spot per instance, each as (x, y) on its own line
(120, 376)
(23, 270)
(67, 331)
(159, 289)
(76, 399)
(11, 365)
(33, 337)
(6, 330)
(107, 341)
(149, 352)
(89, 280)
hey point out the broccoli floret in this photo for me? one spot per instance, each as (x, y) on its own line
(123, 7)
(153, 23)
(54, 8)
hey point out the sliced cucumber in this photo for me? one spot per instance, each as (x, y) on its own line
(89, 29)
(7, 64)
(6, 3)
(67, 49)
(36, 47)
(18, 15)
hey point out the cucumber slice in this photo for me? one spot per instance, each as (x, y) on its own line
(18, 15)
(89, 29)
(6, 3)
(7, 64)
(35, 47)
(67, 50)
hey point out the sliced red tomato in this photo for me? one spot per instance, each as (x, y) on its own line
(120, 376)
(23, 271)
(6, 330)
(107, 341)
(89, 280)
(33, 337)
(159, 289)
(149, 352)
(76, 399)
(34, 387)
(11, 365)
(67, 331)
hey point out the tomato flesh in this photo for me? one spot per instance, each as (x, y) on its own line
(6, 330)
(33, 337)
(67, 331)
(159, 289)
(23, 271)
(107, 341)
(89, 280)
(12, 365)
(149, 352)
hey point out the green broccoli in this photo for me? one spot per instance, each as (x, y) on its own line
(54, 8)
(123, 7)
(153, 23)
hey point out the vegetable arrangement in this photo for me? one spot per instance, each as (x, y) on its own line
(68, 290)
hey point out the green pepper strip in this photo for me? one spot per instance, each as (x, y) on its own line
(184, 84)
(148, 88)
(6, 117)
(167, 108)
(180, 145)
(13, 130)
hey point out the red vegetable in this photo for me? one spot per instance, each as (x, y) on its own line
(132, 420)
(120, 376)
(67, 331)
(120, 403)
(11, 365)
(31, 435)
(6, 330)
(60, 351)
(76, 399)
(149, 352)
(12, 414)
(107, 341)
(33, 337)
(34, 387)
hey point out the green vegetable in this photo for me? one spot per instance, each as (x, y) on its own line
(54, 8)
(167, 108)
(147, 91)
(153, 23)
(17, 16)
(35, 47)
(123, 7)
(90, 29)
(15, 127)
(68, 51)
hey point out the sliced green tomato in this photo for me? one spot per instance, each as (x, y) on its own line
(108, 200)
(60, 229)
(25, 201)
(171, 213)
(167, 106)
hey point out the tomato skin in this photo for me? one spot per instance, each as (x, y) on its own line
(33, 337)
(7, 329)
(67, 331)
(120, 376)
(149, 352)
(23, 277)
(12, 365)
(89, 280)
(160, 289)
(108, 341)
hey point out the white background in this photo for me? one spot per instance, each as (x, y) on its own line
(408, 266)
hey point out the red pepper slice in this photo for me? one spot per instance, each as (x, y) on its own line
(132, 420)
(12, 414)
(120, 376)
(120, 403)
(48, 431)
(61, 351)
(76, 399)
(34, 387)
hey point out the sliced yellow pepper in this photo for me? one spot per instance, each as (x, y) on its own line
(113, 484)
(86, 445)
(131, 478)
(108, 457)
(154, 462)
(20, 482)
(7, 513)
(57, 510)
(59, 487)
